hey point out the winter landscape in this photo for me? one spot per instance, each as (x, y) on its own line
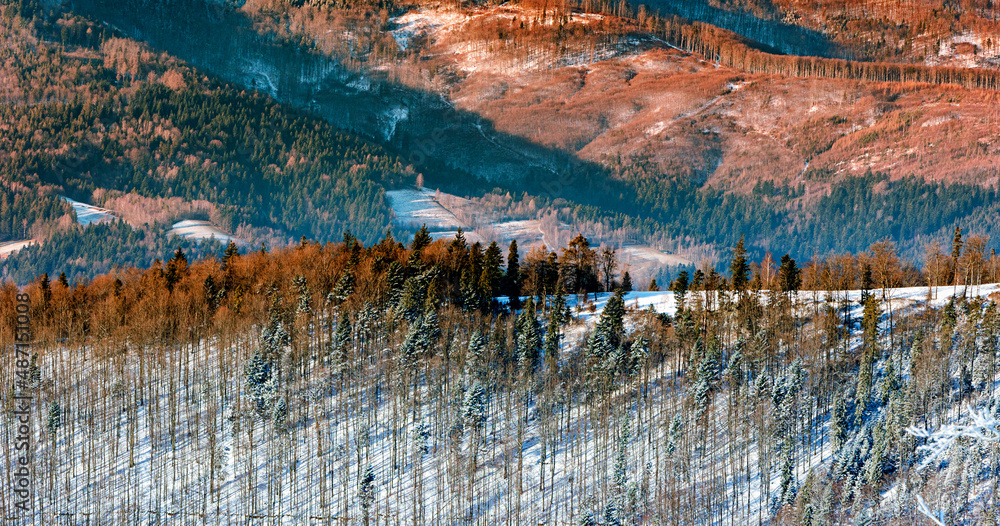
(582, 263)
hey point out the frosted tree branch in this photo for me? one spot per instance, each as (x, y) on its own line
(982, 426)
(923, 508)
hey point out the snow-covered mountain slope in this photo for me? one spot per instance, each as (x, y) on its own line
(209, 431)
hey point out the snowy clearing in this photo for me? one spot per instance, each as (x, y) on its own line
(418, 207)
(87, 214)
(10, 247)
(196, 229)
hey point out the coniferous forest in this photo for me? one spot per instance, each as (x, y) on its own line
(381, 384)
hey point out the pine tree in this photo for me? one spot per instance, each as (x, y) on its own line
(366, 492)
(674, 435)
(869, 349)
(421, 239)
(680, 287)
(421, 440)
(46, 287)
(653, 287)
(477, 355)
(626, 282)
(54, 420)
(305, 299)
(279, 415)
(232, 251)
(878, 461)
(469, 287)
(611, 322)
(261, 382)
(177, 268)
(708, 369)
(788, 275)
(528, 339)
(826, 508)
(491, 278)
(558, 316)
(838, 422)
(395, 280)
(956, 253)
(340, 345)
(344, 287)
(587, 519)
(787, 471)
(474, 407)
(34, 371)
(739, 268)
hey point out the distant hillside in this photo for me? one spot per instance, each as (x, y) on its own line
(602, 120)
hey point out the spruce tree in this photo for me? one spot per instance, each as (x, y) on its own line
(739, 267)
(395, 280)
(340, 345)
(344, 287)
(512, 278)
(366, 492)
(305, 295)
(528, 340)
(279, 415)
(558, 316)
(680, 287)
(869, 350)
(491, 278)
(232, 251)
(474, 407)
(421, 239)
(54, 419)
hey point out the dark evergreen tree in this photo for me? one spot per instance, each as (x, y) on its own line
(54, 419)
(680, 287)
(739, 267)
(512, 279)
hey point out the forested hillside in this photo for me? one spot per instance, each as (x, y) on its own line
(98, 118)
(363, 384)
(654, 131)
(631, 127)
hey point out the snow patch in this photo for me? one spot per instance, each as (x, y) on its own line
(87, 214)
(418, 207)
(10, 247)
(196, 229)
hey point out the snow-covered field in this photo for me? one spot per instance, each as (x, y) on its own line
(88, 214)
(418, 207)
(10, 247)
(645, 256)
(899, 299)
(196, 229)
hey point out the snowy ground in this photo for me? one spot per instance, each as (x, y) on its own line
(140, 473)
(195, 229)
(418, 207)
(664, 302)
(87, 214)
(10, 247)
(642, 256)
